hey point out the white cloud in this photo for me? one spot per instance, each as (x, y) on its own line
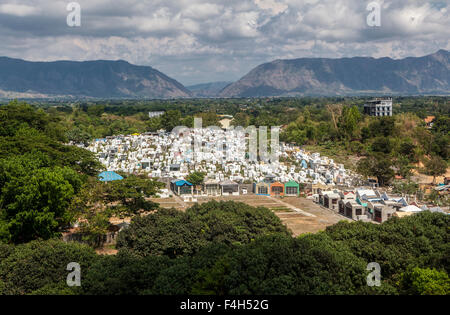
(272, 5)
(18, 9)
(206, 40)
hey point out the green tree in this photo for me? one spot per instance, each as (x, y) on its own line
(154, 124)
(78, 136)
(196, 178)
(311, 264)
(209, 118)
(174, 233)
(241, 119)
(382, 126)
(96, 110)
(378, 165)
(41, 264)
(435, 166)
(382, 144)
(124, 274)
(170, 119)
(34, 201)
(426, 281)
(131, 193)
(349, 120)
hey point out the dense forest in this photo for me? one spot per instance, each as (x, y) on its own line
(240, 257)
(214, 248)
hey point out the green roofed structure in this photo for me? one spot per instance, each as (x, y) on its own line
(109, 176)
(291, 188)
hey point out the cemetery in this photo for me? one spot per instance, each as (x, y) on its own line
(224, 157)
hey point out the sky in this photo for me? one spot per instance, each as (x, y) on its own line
(197, 41)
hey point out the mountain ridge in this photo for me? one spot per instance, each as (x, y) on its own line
(209, 89)
(428, 74)
(345, 76)
(95, 78)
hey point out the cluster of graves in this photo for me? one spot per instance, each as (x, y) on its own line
(223, 156)
(368, 204)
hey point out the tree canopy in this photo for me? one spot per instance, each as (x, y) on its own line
(175, 233)
(412, 253)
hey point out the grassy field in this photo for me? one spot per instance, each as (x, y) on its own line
(336, 152)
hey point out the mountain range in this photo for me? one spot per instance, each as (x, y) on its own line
(98, 79)
(296, 77)
(211, 89)
(346, 76)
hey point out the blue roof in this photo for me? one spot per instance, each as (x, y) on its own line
(109, 176)
(181, 182)
(364, 204)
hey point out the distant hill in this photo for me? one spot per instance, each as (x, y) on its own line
(208, 89)
(100, 79)
(346, 76)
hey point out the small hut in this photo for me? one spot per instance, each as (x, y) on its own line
(277, 189)
(182, 187)
(262, 188)
(291, 188)
(229, 187)
(212, 188)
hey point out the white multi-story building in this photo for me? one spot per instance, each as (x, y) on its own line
(155, 114)
(379, 107)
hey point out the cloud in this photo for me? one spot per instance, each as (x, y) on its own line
(17, 9)
(219, 40)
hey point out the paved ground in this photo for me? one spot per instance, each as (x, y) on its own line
(305, 224)
(290, 206)
(299, 214)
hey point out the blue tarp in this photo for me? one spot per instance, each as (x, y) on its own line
(304, 164)
(181, 183)
(109, 176)
(364, 204)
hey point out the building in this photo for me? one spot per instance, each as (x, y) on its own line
(407, 211)
(155, 114)
(269, 179)
(351, 209)
(429, 121)
(379, 212)
(212, 188)
(245, 189)
(261, 188)
(316, 188)
(174, 167)
(230, 188)
(182, 187)
(291, 188)
(330, 200)
(378, 107)
(277, 189)
(109, 176)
